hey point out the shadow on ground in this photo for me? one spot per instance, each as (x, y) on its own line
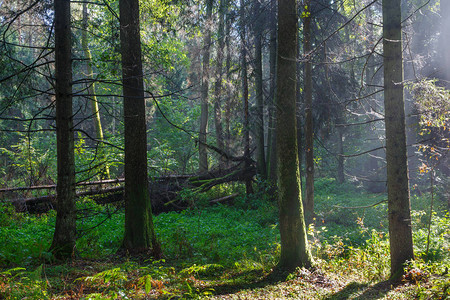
(358, 291)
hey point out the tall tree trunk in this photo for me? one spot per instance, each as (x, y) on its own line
(139, 230)
(104, 170)
(228, 82)
(244, 75)
(294, 244)
(272, 158)
(63, 243)
(203, 155)
(309, 128)
(218, 86)
(400, 234)
(299, 109)
(260, 145)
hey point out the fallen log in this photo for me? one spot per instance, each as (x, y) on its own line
(224, 199)
(53, 186)
(164, 190)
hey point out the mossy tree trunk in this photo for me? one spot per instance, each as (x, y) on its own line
(104, 169)
(63, 243)
(294, 244)
(400, 233)
(139, 230)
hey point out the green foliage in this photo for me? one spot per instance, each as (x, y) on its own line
(217, 234)
(346, 211)
(433, 103)
(32, 158)
(439, 247)
(208, 247)
(208, 270)
(436, 286)
(113, 278)
(100, 228)
(24, 238)
(17, 283)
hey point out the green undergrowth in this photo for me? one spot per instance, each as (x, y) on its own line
(225, 252)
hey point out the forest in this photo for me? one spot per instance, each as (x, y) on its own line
(224, 149)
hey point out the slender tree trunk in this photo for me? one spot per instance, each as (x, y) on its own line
(309, 128)
(272, 157)
(139, 230)
(299, 109)
(294, 244)
(218, 86)
(228, 84)
(244, 75)
(63, 243)
(203, 155)
(260, 144)
(340, 147)
(400, 234)
(104, 170)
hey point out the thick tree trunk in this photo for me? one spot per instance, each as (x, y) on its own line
(139, 231)
(63, 243)
(400, 234)
(218, 86)
(294, 244)
(260, 145)
(309, 128)
(104, 169)
(203, 155)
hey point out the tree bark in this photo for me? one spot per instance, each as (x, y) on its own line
(228, 82)
(340, 148)
(64, 237)
(272, 158)
(260, 145)
(400, 234)
(218, 86)
(104, 169)
(294, 244)
(202, 152)
(309, 128)
(139, 231)
(244, 76)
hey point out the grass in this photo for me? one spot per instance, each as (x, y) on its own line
(223, 252)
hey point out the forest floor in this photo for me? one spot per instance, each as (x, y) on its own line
(227, 252)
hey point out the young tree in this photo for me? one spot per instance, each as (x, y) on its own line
(294, 243)
(139, 231)
(64, 236)
(203, 156)
(400, 234)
